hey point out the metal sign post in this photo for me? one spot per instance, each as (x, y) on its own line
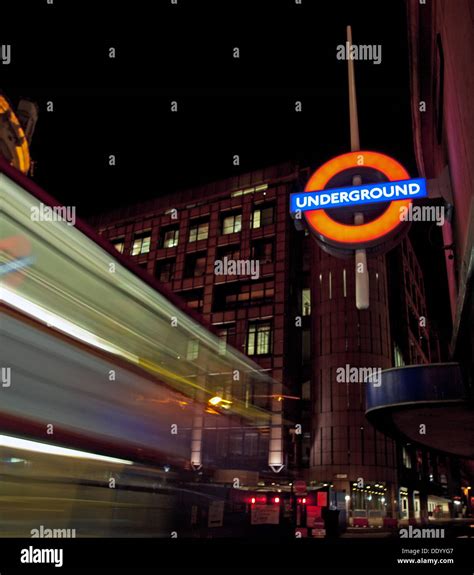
(361, 271)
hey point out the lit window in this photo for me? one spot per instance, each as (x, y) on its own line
(406, 458)
(306, 301)
(170, 238)
(118, 244)
(198, 231)
(259, 339)
(262, 217)
(141, 243)
(232, 224)
(397, 356)
(193, 349)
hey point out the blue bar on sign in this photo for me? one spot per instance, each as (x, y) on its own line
(358, 195)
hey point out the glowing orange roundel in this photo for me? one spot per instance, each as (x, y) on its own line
(324, 225)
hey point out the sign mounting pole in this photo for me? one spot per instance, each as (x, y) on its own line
(361, 271)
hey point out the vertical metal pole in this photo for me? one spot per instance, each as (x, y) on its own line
(361, 271)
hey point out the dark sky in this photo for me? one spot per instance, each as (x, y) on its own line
(226, 106)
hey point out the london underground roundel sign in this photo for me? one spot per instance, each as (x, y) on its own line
(397, 193)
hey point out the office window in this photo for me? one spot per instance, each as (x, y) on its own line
(439, 88)
(306, 301)
(195, 265)
(169, 237)
(227, 333)
(251, 444)
(199, 230)
(194, 298)
(233, 295)
(306, 346)
(192, 350)
(231, 224)
(118, 244)
(263, 216)
(235, 443)
(262, 250)
(397, 356)
(259, 338)
(406, 458)
(165, 270)
(229, 252)
(141, 243)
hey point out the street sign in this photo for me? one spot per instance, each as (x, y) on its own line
(216, 514)
(399, 191)
(265, 515)
(300, 487)
(357, 195)
(322, 498)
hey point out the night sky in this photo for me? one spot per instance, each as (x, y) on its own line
(227, 106)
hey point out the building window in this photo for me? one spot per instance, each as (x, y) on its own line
(262, 250)
(306, 301)
(439, 88)
(195, 265)
(199, 231)
(118, 244)
(406, 458)
(251, 444)
(227, 333)
(169, 237)
(193, 349)
(141, 243)
(194, 298)
(259, 338)
(165, 270)
(235, 443)
(263, 216)
(233, 295)
(306, 345)
(229, 252)
(397, 356)
(231, 224)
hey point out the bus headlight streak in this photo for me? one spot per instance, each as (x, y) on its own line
(59, 323)
(37, 447)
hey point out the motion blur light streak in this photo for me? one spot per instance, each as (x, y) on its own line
(26, 444)
(52, 320)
